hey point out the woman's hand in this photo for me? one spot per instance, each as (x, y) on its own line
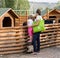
(37, 23)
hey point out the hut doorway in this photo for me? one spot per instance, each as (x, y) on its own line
(59, 21)
(7, 22)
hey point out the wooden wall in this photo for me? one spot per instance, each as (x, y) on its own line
(49, 38)
(23, 19)
(14, 40)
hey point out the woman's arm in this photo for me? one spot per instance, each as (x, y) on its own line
(37, 23)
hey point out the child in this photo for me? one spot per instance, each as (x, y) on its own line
(31, 18)
(30, 30)
(30, 33)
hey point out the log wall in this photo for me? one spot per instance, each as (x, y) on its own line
(51, 36)
(14, 40)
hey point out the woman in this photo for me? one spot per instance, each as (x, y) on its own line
(36, 36)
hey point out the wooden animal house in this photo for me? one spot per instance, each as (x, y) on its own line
(8, 18)
(11, 34)
(52, 15)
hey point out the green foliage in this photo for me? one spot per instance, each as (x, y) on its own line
(3, 3)
(21, 4)
(16, 4)
(57, 5)
(10, 4)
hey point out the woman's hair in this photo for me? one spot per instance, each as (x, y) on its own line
(38, 11)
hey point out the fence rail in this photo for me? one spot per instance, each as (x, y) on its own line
(14, 40)
(50, 36)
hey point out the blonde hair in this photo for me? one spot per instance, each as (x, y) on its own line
(30, 17)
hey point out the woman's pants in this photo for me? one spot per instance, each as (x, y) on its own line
(36, 42)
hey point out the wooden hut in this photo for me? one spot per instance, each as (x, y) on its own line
(12, 37)
(53, 15)
(8, 18)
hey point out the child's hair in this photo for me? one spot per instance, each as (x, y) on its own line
(38, 11)
(33, 17)
(30, 17)
(25, 23)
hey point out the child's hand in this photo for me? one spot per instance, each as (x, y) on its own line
(29, 40)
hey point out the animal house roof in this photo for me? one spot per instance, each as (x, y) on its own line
(46, 11)
(9, 10)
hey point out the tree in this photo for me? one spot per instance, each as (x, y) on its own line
(22, 4)
(10, 4)
(57, 5)
(15, 4)
(3, 3)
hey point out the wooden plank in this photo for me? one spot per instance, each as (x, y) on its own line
(2, 31)
(12, 45)
(11, 42)
(18, 27)
(51, 36)
(46, 34)
(43, 41)
(50, 30)
(11, 52)
(48, 43)
(46, 46)
(12, 48)
(11, 34)
(13, 38)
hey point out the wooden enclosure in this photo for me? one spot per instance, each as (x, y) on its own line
(13, 37)
(8, 18)
(51, 36)
(52, 15)
(23, 15)
(14, 40)
(23, 19)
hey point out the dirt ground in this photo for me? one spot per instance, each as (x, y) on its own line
(52, 52)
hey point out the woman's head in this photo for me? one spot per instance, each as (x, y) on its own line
(38, 11)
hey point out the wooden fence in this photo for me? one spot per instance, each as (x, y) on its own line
(51, 36)
(23, 19)
(14, 40)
